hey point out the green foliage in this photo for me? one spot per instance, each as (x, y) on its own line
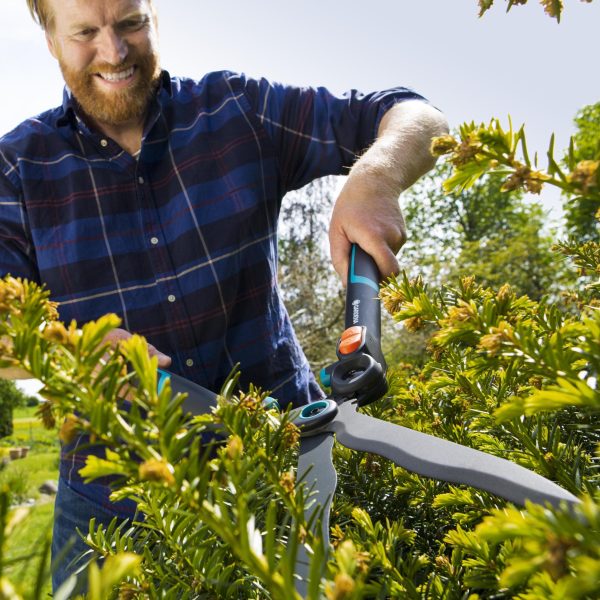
(10, 523)
(553, 8)
(25, 552)
(23, 477)
(15, 479)
(490, 149)
(229, 528)
(225, 518)
(481, 231)
(6, 428)
(580, 212)
(515, 378)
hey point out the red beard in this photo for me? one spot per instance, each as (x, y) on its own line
(120, 105)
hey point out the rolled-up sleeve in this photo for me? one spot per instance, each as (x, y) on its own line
(315, 132)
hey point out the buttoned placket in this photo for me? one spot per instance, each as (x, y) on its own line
(110, 150)
(154, 236)
(157, 248)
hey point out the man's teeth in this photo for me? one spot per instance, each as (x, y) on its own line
(117, 76)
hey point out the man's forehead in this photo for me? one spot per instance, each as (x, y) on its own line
(76, 10)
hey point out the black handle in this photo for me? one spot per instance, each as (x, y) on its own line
(363, 307)
(360, 370)
(362, 294)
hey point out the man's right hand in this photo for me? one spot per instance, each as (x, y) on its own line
(118, 335)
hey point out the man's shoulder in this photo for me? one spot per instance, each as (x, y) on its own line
(223, 91)
(30, 129)
(26, 140)
(218, 83)
(213, 80)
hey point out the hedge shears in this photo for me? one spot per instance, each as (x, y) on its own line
(356, 379)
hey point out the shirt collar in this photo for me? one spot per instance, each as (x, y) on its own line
(165, 83)
(69, 115)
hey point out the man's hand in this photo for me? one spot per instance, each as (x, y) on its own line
(367, 211)
(373, 220)
(117, 335)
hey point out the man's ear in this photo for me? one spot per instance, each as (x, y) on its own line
(51, 44)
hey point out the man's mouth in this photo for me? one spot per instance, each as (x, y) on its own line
(118, 76)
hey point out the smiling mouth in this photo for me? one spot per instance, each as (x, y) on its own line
(116, 77)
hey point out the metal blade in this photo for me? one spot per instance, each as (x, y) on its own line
(316, 471)
(440, 459)
(199, 400)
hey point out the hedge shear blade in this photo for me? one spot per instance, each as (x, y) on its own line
(358, 378)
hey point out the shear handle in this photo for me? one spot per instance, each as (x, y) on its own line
(360, 371)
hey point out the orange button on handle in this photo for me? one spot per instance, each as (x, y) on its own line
(351, 340)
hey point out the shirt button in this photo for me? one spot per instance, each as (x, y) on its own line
(140, 180)
(154, 241)
(103, 143)
(171, 298)
(189, 362)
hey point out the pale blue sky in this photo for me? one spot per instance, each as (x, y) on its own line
(520, 63)
(469, 67)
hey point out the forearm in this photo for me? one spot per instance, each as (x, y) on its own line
(367, 210)
(400, 154)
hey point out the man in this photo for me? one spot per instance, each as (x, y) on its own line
(157, 198)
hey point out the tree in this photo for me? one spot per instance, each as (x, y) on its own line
(581, 210)
(10, 397)
(310, 287)
(482, 231)
(520, 255)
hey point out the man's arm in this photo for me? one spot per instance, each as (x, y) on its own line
(367, 211)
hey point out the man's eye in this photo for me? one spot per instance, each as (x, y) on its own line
(85, 34)
(133, 24)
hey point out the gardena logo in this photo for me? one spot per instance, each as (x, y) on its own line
(355, 311)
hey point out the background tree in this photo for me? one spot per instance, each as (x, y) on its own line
(580, 211)
(10, 397)
(483, 231)
(310, 287)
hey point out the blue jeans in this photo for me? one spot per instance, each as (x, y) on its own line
(70, 554)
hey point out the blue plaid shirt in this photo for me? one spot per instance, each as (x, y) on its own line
(181, 242)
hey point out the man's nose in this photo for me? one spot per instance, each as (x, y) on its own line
(113, 47)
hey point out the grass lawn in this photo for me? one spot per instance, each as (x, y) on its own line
(22, 478)
(25, 545)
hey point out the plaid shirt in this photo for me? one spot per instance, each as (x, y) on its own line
(181, 242)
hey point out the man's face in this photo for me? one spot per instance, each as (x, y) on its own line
(108, 54)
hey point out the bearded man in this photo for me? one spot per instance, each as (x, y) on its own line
(157, 197)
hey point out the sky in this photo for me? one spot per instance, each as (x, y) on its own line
(520, 63)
